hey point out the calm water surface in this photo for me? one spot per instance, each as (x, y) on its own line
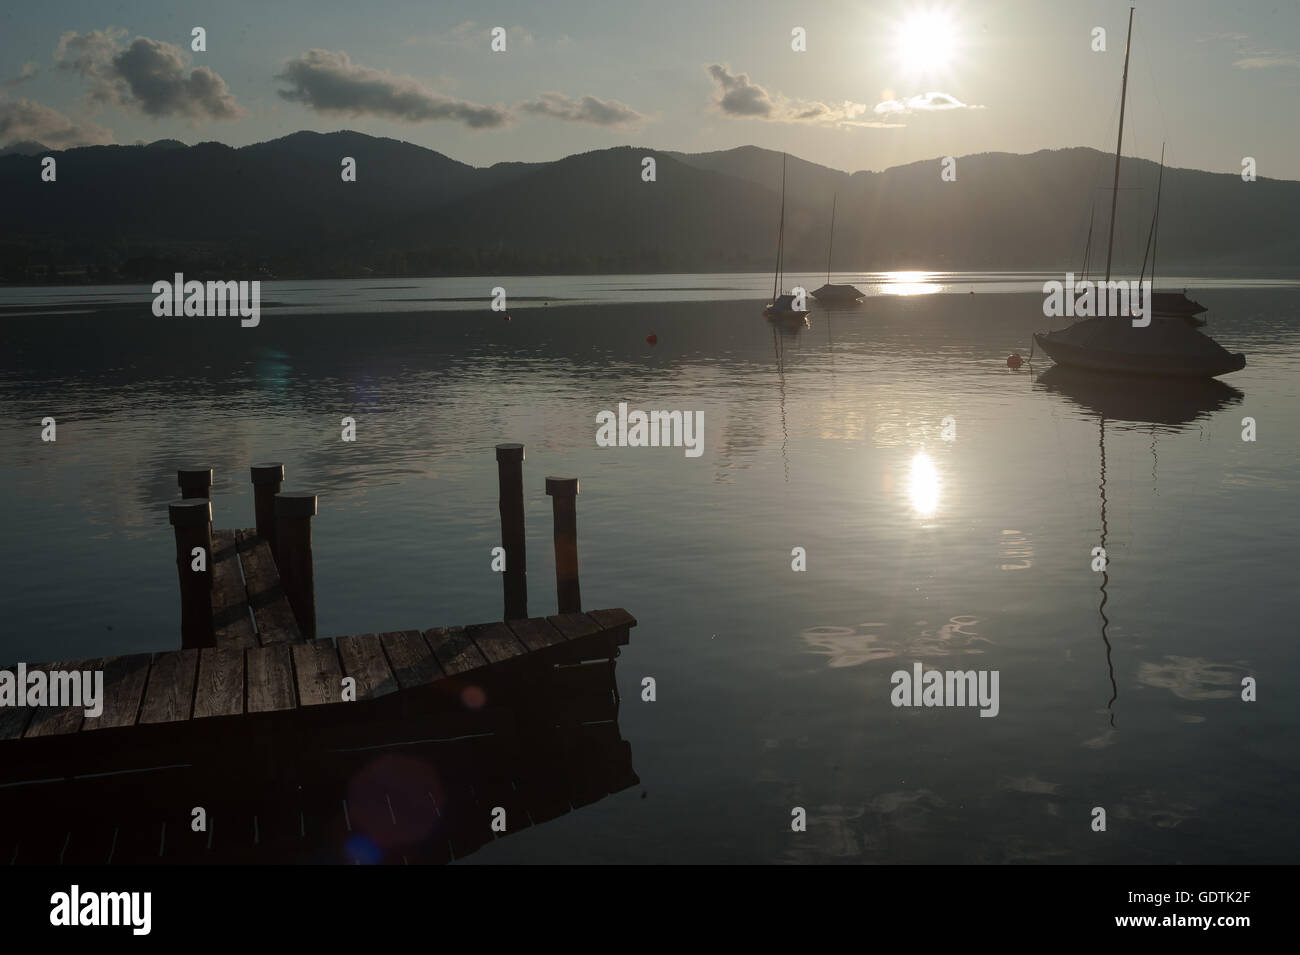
(773, 686)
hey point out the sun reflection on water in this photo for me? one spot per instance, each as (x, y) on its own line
(908, 283)
(923, 485)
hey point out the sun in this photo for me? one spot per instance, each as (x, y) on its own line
(925, 41)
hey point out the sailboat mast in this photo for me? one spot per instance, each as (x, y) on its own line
(780, 235)
(1114, 196)
(830, 243)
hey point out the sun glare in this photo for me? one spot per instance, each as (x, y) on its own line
(925, 41)
(923, 486)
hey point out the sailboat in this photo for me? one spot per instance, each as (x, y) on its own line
(782, 306)
(1114, 344)
(835, 294)
(1167, 305)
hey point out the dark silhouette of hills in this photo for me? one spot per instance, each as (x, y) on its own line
(25, 147)
(136, 212)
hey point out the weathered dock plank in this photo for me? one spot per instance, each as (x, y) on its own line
(615, 619)
(271, 611)
(178, 686)
(169, 695)
(363, 660)
(270, 679)
(124, 682)
(62, 720)
(536, 633)
(220, 689)
(574, 626)
(496, 641)
(320, 677)
(232, 623)
(455, 651)
(411, 658)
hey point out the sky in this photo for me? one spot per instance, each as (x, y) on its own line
(878, 84)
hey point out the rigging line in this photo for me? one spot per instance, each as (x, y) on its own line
(1097, 169)
(1155, 218)
(1155, 229)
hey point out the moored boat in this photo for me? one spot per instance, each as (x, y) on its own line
(783, 304)
(1168, 346)
(830, 294)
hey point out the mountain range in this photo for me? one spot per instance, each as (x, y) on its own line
(281, 208)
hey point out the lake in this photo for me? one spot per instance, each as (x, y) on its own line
(960, 544)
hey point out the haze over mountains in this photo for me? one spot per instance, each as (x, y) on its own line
(140, 212)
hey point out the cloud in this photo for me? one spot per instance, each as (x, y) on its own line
(588, 109)
(1250, 56)
(925, 102)
(470, 36)
(740, 97)
(148, 76)
(1268, 60)
(28, 71)
(25, 119)
(329, 82)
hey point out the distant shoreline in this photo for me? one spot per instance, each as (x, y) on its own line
(969, 275)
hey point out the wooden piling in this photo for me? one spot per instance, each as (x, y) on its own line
(510, 479)
(293, 514)
(267, 479)
(564, 500)
(195, 482)
(192, 522)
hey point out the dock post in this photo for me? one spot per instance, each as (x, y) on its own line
(192, 521)
(293, 514)
(510, 479)
(564, 502)
(267, 479)
(195, 482)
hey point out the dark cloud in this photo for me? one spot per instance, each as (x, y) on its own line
(24, 119)
(329, 82)
(148, 75)
(740, 97)
(588, 109)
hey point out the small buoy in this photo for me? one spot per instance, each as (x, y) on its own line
(972, 291)
(652, 339)
(506, 316)
(1013, 360)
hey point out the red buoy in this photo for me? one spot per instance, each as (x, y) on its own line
(507, 316)
(1013, 360)
(652, 339)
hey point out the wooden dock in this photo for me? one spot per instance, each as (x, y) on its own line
(296, 719)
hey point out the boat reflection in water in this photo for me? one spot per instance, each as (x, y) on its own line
(1140, 400)
(1133, 401)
